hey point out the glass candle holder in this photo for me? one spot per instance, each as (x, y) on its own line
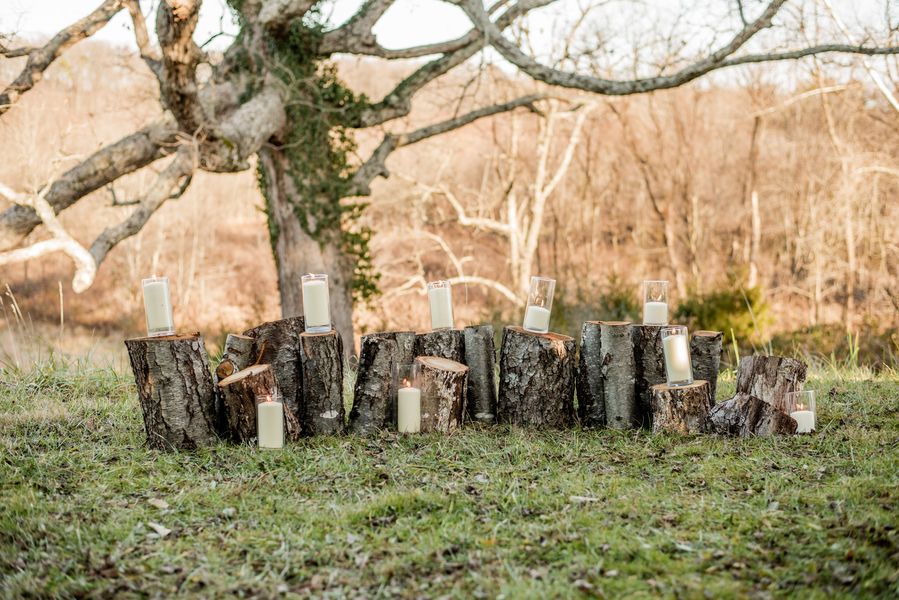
(316, 303)
(158, 306)
(406, 382)
(655, 302)
(676, 346)
(440, 299)
(540, 304)
(269, 421)
(802, 408)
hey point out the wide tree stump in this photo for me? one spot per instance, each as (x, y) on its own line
(237, 355)
(443, 384)
(240, 394)
(536, 379)
(445, 343)
(277, 343)
(591, 407)
(649, 368)
(746, 416)
(374, 395)
(174, 386)
(681, 409)
(617, 363)
(770, 378)
(480, 357)
(322, 407)
(705, 354)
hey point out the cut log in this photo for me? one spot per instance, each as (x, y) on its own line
(770, 378)
(480, 358)
(649, 368)
(445, 343)
(705, 354)
(237, 355)
(681, 409)
(277, 343)
(617, 361)
(322, 407)
(591, 407)
(174, 386)
(374, 395)
(745, 415)
(240, 394)
(443, 384)
(536, 379)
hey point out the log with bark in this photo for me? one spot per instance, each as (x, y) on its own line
(446, 343)
(237, 355)
(277, 343)
(745, 415)
(443, 387)
(770, 378)
(241, 392)
(591, 406)
(649, 368)
(681, 409)
(480, 358)
(536, 380)
(617, 364)
(322, 407)
(705, 354)
(374, 394)
(175, 389)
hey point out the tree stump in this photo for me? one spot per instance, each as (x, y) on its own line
(443, 384)
(240, 393)
(745, 415)
(277, 343)
(322, 407)
(175, 390)
(705, 354)
(770, 378)
(591, 406)
(237, 355)
(536, 379)
(374, 395)
(480, 357)
(649, 368)
(681, 409)
(445, 343)
(617, 363)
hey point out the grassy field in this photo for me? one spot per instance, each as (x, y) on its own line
(86, 510)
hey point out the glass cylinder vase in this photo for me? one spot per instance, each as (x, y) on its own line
(540, 303)
(158, 306)
(676, 346)
(801, 406)
(316, 303)
(655, 302)
(440, 300)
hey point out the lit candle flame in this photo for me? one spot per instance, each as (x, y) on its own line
(407, 383)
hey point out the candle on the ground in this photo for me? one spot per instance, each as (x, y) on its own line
(802, 408)
(655, 313)
(408, 400)
(676, 347)
(805, 420)
(440, 299)
(158, 307)
(536, 318)
(269, 422)
(316, 303)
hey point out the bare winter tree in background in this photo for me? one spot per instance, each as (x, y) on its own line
(274, 95)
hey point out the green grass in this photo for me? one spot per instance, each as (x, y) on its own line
(482, 513)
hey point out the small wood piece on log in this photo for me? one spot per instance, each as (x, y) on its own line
(237, 355)
(705, 354)
(591, 406)
(445, 343)
(174, 386)
(443, 383)
(277, 343)
(770, 378)
(240, 394)
(374, 395)
(745, 415)
(681, 409)
(480, 357)
(322, 407)
(649, 368)
(617, 362)
(536, 380)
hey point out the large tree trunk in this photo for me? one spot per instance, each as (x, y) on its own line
(681, 409)
(745, 415)
(649, 365)
(591, 406)
(480, 357)
(297, 252)
(443, 383)
(705, 353)
(617, 366)
(374, 394)
(770, 378)
(322, 409)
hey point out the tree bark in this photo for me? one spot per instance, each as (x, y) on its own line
(705, 354)
(237, 355)
(649, 368)
(240, 395)
(617, 361)
(590, 402)
(445, 343)
(374, 394)
(745, 416)
(770, 378)
(277, 343)
(480, 357)
(443, 388)
(322, 407)
(682, 409)
(174, 387)
(536, 380)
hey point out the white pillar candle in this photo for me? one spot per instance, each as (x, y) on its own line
(677, 358)
(316, 304)
(441, 301)
(158, 307)
(408, 410)
(270, 424)
(655, 313)
(536, 318)
(805, 420)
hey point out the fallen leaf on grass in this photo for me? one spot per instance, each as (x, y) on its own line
(160, 530)
(583, 499)
(158, 503)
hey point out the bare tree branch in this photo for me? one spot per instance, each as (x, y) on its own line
(150, 54)
(176, 21)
